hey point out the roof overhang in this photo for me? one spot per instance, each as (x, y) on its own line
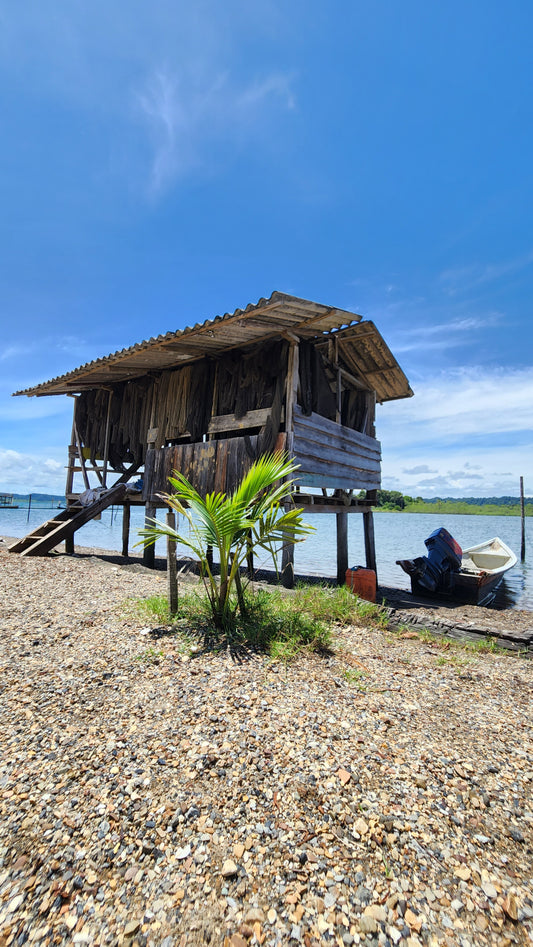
(280, 315)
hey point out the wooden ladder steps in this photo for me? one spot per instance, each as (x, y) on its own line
(45, 537)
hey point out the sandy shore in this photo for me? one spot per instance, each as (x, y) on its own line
(381, 795)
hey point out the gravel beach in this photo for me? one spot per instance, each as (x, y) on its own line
(380, 795)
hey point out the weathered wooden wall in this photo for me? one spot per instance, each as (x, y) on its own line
(331, 455)
(210, 465)
(178, 404)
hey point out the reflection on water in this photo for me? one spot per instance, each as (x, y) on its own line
(398, 536)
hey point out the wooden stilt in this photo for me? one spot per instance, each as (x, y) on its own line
(69, 546)
(126, 516)
(172, 572)
(149, 551)
(370, 545)
(250, 560)
(523, 522)
(106, 440)
(287, 565)
(342, 547)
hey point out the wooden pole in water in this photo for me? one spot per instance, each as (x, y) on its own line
(523, 522)
(126, 510)
(29, 508)
(172, 572)
(342, 547)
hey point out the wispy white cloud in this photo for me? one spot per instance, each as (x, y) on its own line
(420, 469)
(463, 402)
(188, 116)
(465, 428)
(462, 279)
(168, 78)
(15, 351)
(443, 335)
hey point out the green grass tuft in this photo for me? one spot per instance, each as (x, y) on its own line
(281, 624)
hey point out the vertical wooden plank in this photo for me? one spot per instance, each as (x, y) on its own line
(106, 440)
(149, 551)
(250, 560)
(370, 544)
(81, 458)
(126, 511)
(338, 413)
(172, 571)
(523, 522)
(69, 545)
(370, 427)
(71, 452)
(292, 385)
(287, 565)
(149, 474)
(342, 547)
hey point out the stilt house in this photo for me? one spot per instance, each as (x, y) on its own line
(284, 373)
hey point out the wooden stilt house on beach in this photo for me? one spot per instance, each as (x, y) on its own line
(284, 373)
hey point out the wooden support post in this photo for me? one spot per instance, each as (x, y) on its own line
(287, 564)
(287, 552)
(71, 453)
(370, 545)
(149, 551)
(106, 441)
(81, 458)
(69, 545)
(342, 547)
(523, 522)
(172, 571)
(126, 516)
(292, 386)
(250, 559)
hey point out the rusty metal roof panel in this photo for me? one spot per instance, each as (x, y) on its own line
(266, 319)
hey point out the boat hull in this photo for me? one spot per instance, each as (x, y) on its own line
(475, 582)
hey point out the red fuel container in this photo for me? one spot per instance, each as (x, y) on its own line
(362, 582)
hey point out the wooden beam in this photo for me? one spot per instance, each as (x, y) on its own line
(370, 545)
(126, 514)
(228, 422)
(172, 572)
(342, 547)
(81, 458)
(106, 440)
(292, 386)
(149, 551)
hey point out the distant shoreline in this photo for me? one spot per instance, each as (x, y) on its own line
(453, 508)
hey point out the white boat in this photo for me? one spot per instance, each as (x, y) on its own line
(470, 575)
(482, 569)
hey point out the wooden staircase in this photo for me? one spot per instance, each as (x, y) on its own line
(41, 540)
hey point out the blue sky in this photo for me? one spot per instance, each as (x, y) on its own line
(164, 163)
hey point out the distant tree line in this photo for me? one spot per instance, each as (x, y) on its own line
(395, 501)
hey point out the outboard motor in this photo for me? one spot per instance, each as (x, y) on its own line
(434, 572)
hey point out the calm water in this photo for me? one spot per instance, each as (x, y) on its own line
(398, 536)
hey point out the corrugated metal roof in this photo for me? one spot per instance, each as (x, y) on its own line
(268, 318)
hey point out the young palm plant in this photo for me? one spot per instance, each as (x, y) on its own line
(252, 517)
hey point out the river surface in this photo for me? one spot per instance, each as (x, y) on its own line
(398, 536)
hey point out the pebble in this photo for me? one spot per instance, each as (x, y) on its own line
(239, 802)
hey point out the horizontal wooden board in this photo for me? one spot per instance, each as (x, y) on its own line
(228, 422)
(331, 434)
(356, 481)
